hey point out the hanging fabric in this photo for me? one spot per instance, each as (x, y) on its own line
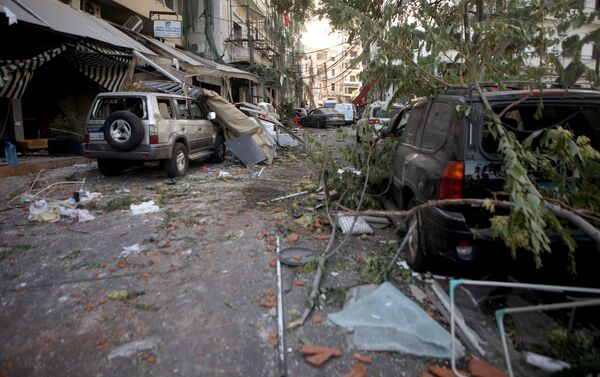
(15, 74)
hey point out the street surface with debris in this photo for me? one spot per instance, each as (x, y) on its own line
(188, 286)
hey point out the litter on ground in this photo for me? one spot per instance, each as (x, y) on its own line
(144, 207)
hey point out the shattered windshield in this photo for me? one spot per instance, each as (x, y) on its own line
(524, 120)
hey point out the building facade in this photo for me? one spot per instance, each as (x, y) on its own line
(333, 74)
(250, 35)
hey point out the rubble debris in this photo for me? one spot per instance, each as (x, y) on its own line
(362, 359)
(305, 221)
(84, 215)
(348, 224)
(349, 169)
(257, 174)
(545, 363)
(386, 320)
(40, 210)
(233, 234)
(417, 293)
(323, 236)
(236, 123)
(288, 196)
(319, 354)
(246, 150)
(269, 299)
(436, 371)
(128, 250)
(357, 371)
(292, 237)
(442, 302)
(317, 319)
(133, 348)
(143, 208)
(481, 368)
(119, 295)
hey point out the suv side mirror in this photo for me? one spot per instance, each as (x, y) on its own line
(212, 115)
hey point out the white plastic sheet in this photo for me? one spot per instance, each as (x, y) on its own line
(144, 207)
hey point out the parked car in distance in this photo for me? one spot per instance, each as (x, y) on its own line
(269, 109)
(128, 128)
(329, 103)
(301, 112)
(445, 154)
(323, 117)
(348, 110)
(377, 115)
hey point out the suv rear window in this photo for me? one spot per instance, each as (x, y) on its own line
(109, 105)
(523, 121)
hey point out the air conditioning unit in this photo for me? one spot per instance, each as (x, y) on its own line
(134, 23)
(91, 8)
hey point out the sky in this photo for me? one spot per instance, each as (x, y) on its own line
(319, 35)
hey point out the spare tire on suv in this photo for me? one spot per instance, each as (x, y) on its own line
(123, 130)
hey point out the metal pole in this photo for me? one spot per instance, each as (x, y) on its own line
(158, 68)
(500, 317)
(280, 319)
(501, 312)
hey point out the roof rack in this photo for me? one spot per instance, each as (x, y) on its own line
(506, 85)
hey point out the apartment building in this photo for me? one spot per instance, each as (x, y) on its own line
(137, 14)
(333, 73)
(250, 35)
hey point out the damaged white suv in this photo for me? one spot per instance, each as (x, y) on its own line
(126, 128)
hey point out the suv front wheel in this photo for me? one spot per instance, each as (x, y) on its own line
(177, 165)
(219, 152)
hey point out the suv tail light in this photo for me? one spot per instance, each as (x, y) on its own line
(374, 121)
(153, 132)
(86, 138)
(464, 250)
(451, 183)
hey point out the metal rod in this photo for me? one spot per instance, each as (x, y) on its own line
(402, 245)
(569, 330)
(280, 319)
(289, 196)
(548, 288)
(159, 69)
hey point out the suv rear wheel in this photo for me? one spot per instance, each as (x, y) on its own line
(415, 257)
(177, 165)
(219, 152)
(110, 168)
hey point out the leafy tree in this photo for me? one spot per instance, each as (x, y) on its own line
(422, 45)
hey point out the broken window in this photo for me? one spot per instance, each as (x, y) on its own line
(109, 105)
(526, 119)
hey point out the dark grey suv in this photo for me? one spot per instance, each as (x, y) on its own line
(444, 154)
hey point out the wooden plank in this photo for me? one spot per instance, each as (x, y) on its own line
(27, 166)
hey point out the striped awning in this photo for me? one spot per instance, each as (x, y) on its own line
(106, 65)
(16, 74)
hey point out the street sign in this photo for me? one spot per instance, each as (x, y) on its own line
(167, 29)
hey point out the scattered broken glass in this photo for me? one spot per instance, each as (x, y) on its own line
(387, 320)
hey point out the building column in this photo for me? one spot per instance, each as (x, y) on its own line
(17, 111)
